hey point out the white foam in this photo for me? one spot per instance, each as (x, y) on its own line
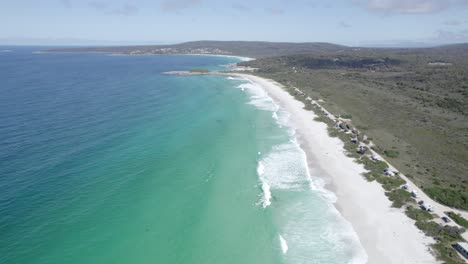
(289, 165)
(266, 200)
(266, 194)
(316, 183)
(275, 115)
(258, 97)
(260, 169)
(234, 78)
(285, 167)
(284, 245)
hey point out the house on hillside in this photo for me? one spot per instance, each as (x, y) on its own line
(427, 207)
(388, 172)
(361, 150)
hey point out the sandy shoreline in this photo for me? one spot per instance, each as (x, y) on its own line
(386, 233)
(221, 55)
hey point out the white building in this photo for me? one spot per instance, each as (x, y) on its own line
(462, 247)
(388, 172)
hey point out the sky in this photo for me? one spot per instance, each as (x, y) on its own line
(120, 22)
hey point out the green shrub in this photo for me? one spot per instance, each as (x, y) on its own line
(390, 183)
(445, 234)
(458, 219)
(377, 166)
(391, 153)
(449, 197)
(447, 254)
(418, 214)
(399, 197)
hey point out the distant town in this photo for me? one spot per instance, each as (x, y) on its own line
(181, 51)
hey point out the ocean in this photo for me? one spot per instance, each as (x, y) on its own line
(105, 159)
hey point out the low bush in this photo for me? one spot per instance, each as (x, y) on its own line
(447, 254)
(391, 153)
(458, 219)
(399, 197)
(418, 214)
(449, 197)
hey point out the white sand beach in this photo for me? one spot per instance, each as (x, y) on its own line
(386, 233)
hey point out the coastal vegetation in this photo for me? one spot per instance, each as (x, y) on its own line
(391, 153)
(199, 71)
(346, 116)
(254, 49)
(415, 111)
(444, 236)
(458, 219)
(457, 198)
(418, 214)
(400, 197)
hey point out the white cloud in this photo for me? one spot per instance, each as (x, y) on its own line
(275, 11)
(178, 5)
(410, 6)
(451, 36)
(343, 24)
(125, 10)
(240, 7)
(66, 3)
(452, 23)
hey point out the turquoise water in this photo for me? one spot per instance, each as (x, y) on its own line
(104, 159)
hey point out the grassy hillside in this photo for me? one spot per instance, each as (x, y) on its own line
(240, 48)
(413, 103)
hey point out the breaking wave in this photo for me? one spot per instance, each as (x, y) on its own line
(302, 207)
(284, 245)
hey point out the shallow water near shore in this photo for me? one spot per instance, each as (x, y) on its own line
(104, 159)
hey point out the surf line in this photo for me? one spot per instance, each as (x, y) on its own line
(265, 185)
(284, 244)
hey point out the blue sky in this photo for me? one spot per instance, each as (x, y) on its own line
(349, 22)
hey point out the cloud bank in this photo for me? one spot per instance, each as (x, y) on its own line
(410, 6)
(179, 5)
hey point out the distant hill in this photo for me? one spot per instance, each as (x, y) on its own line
(261, 49)
(254, 49)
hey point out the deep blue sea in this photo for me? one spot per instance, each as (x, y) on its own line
(105, 159)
